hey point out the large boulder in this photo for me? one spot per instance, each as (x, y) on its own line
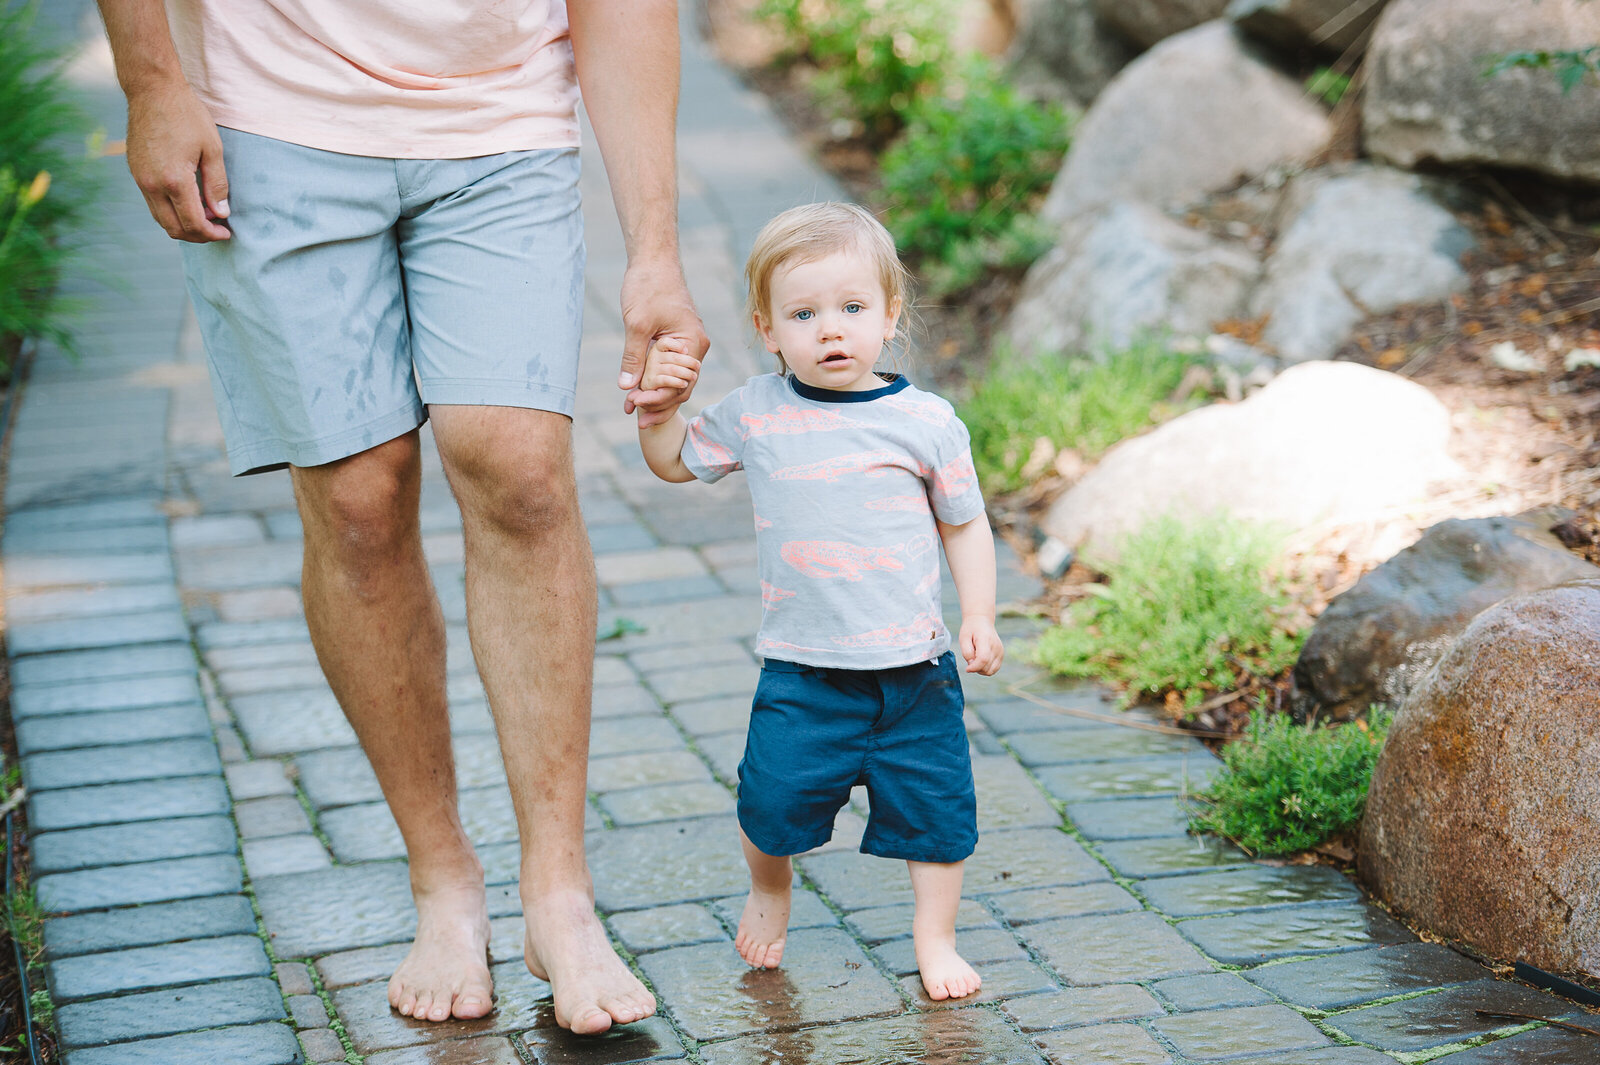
(1332, 25)
(1375, 641)
(1324, 442)
(1360, 242)
(1483, 823)
(1063, 41)
(1148, 21)
(1428, 96)
(1197, 114)
(1127, 270)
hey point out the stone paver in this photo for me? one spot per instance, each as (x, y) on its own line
(1104, 933)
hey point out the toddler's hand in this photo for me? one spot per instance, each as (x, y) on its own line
(981, 646)
(668, 366)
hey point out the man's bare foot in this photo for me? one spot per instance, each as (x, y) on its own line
(446, 974)
(567, 947)
(945, 974)
(764, 927)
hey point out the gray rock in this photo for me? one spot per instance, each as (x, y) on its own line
(1357, 243)
(1427, 97)
(1376, 641)
(1063, 41)
(1125, 271)
(1149, 21)
(1197, 114)
(1319, 444)
(1332, 25)
(1483, 821)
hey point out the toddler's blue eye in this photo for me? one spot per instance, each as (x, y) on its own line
(804, 316)
(853, 308)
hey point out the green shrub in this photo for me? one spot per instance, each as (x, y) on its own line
(1570, 65)
(1191, 609)
(1074, 402)
(1328, 85)
(974, 162)
(1286, 787)
(875, 58)
(45, 183)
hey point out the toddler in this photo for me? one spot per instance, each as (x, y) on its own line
(857, 477)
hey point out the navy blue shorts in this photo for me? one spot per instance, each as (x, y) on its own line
(816, 733)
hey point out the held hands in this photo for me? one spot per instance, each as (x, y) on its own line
(670, 370)
(981, 646)
(656, 305)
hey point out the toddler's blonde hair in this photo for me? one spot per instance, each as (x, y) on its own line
(814, 231)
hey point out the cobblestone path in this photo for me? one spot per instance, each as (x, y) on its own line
(226, 884)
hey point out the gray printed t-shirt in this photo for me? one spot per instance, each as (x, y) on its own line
(846, 488)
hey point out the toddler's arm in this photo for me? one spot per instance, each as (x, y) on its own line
(662, 444)
(969, 549)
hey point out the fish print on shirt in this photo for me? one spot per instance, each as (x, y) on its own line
(826, 559)
(919, 545)
(955, 478)
(762, 523)
(927, 584)
(710, 453)
(772, 595)
(925, 410)
(872, 463)
(917, 504)
(790, 420)
(921, 628)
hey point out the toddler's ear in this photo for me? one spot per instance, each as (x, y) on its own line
(765, 334)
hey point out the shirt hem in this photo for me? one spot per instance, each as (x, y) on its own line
(422, 147)
(822, 658)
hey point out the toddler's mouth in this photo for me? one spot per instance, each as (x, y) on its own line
(835, 356)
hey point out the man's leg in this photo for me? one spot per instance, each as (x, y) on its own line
(379, 634)
(531, 613)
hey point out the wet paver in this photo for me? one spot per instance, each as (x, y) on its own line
(1446, 1017)
(711, 994)
(173, 725)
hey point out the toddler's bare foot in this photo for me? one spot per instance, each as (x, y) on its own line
(446, 974)
(764, 927)
(567, 947)
(945, 974)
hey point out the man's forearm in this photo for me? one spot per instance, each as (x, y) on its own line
(141, 44)
(627, 61)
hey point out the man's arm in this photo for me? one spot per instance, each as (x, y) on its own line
(171, 137)
(627, 62)
(969, 549)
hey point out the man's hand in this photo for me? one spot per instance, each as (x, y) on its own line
(171, 139)
(656, 303)
(981, 646)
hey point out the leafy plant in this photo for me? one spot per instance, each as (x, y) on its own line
(1286, 787)
(974, 161)
(1570, 65)
(1186, 608)
(875, 58)
(1328, 84)
(45, 183)
(1071, 401)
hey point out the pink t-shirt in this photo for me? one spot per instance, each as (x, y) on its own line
(401, 79)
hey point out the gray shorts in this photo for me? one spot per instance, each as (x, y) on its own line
(355, 290)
